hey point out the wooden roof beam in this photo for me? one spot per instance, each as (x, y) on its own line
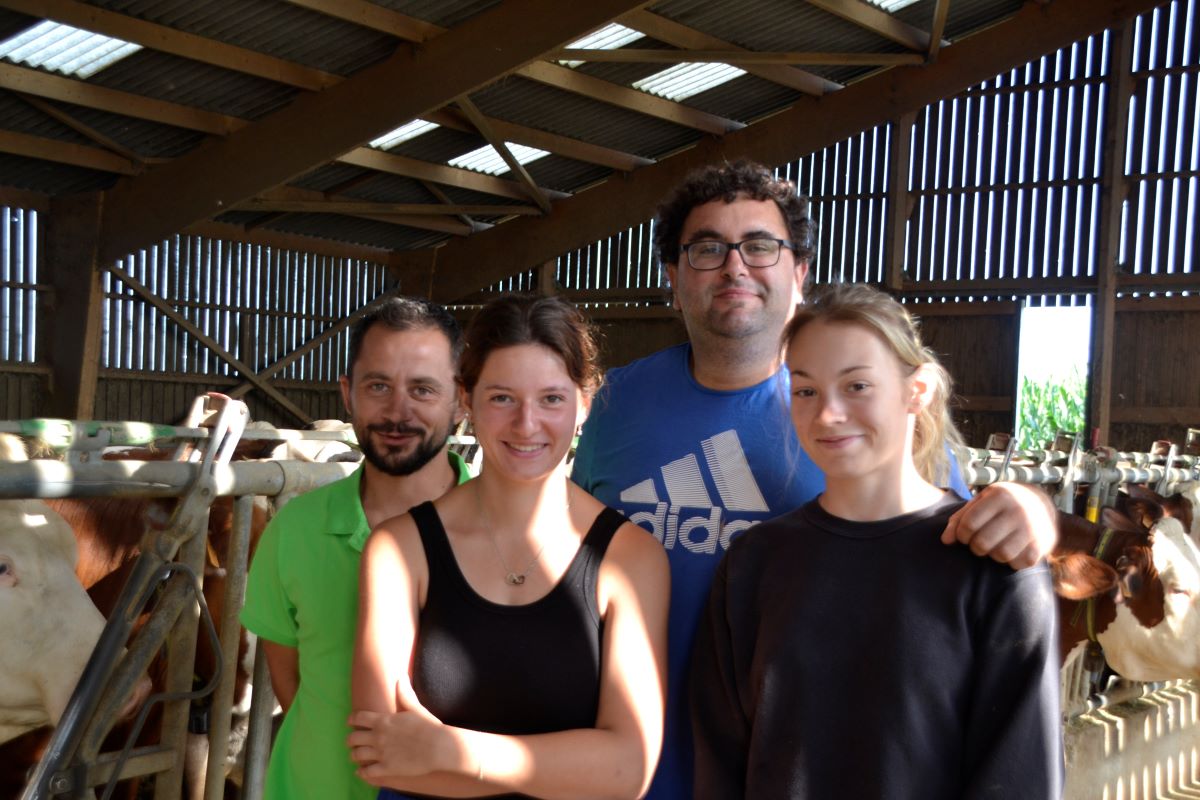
(176, 42)
(60, 152)
(940, 12)
(738, 58)
(68, 90)
(630, 99)
(355, 207)
(471, 264)
(516, 167)
(666, 30)
(294, 200)
(225, 172)
(877, 21)
(85, 130)
(81, 93)
(543, 140)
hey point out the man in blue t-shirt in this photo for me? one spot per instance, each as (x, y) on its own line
(695, 442)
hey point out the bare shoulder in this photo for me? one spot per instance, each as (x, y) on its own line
(396, 538)
(636, 553)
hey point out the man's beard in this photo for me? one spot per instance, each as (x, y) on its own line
(396, 463)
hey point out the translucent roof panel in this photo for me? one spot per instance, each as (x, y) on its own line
(610, 37)
(487, 159)
(62, 48)
(892, 5)
(685, 80)
(402, 134)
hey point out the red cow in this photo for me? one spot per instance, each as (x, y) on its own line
(108, 531)
(1145, 588)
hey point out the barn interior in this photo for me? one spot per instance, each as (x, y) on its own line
(204, 195)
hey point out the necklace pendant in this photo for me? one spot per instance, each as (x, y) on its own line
(515, 579)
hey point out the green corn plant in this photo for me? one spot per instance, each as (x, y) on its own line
(1046, 407)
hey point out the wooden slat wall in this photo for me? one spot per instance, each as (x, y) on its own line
(1156, 372)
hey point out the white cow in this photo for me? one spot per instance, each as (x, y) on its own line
(48, 625)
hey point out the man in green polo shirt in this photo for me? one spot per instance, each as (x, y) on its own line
(302, 591)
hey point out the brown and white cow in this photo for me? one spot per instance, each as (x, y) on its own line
(1145, 587)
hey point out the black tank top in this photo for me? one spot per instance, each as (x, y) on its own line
(524, 669)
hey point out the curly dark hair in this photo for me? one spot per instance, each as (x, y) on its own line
(726, 182)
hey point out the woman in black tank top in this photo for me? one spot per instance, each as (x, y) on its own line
(511, 635)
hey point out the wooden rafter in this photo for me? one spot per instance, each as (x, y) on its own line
(635, 55)
(166, 39)
(173, 41)
(78, 155)
(88, 95)
(282, 240)
(468, 265)
(375, 17)
(444, 199)
(357, 207)
(940, 12)
(630, 99)
(86, 130)
(294, 200)
(544, 140)
(231, 170)
(498, 144)
(33, 82)
(666, 30)
(878, 21)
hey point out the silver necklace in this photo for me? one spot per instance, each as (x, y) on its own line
(512, 577)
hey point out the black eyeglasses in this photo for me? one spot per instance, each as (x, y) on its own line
(758, 252)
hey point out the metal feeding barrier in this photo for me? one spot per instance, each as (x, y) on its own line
(165, 576)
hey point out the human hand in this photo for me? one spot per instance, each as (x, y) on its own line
(407, 743)
(1008, 522)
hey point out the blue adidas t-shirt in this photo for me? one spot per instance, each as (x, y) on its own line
(695, 467)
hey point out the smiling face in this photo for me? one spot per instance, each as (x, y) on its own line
(401, 397)
(853, 404)
(735, 301)
(525, 409)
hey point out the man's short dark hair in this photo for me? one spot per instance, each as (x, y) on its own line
(406, 314)
(727, 182)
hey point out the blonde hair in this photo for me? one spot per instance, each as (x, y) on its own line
(859, 304)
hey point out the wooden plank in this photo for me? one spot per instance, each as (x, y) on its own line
(1157, 305)
(666, 30)
(983, 403)
(176, 42)
(940, 12)
(88, 131)
(320, 126)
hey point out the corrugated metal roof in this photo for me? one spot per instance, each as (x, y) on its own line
(189, 83)
(278, 29)
(287, 31)
(561, 112)
(50, 177)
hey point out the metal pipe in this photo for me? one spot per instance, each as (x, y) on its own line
(258, 739)
(220, 710)
(45, 478)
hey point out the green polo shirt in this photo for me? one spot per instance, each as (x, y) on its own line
(302, 592)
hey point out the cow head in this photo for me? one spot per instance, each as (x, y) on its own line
(48, 625)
